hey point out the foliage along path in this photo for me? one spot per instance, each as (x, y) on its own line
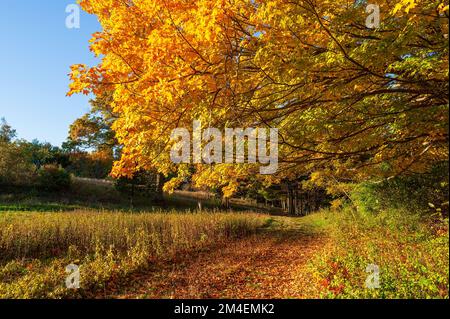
(269, 264)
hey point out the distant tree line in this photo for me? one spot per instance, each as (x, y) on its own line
(41, 164)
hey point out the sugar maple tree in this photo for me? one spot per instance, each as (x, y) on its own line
(348, 100)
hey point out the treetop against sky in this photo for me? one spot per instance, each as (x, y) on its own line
(353, 89)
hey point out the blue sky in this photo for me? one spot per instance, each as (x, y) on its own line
(36, 52)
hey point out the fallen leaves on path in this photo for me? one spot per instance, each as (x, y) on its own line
(270, 264)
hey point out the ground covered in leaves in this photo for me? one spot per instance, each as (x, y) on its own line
(269, 264)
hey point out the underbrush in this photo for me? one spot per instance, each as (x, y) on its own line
(410, 253)
(107, 247)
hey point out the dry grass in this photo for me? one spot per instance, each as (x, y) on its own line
(36, 247)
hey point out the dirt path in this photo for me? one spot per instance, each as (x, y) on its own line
(269, 264)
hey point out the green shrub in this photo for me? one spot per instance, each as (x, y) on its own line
(399, 225)
(14, 169)
(53, 178)
(422, 193)
(412, 255)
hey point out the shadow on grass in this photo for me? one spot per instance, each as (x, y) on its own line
(50, 207)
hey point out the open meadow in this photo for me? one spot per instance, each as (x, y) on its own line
(217, 254)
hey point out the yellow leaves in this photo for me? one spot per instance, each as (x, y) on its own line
(225, 177)
(317, 178)
(230, 189)
(405, 5)
(337, 204)
(78, 80)
(443, 8)
(272, 62)
(172, 184)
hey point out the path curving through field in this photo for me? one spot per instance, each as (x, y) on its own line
(269, 264)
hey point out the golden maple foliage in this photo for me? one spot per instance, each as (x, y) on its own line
(348, 100)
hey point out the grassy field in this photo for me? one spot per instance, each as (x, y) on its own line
(175, 251)
(222, 255)
(108, 246)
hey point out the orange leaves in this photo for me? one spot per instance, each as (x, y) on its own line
(329, 284)
(77, 77)
(343, 96)
(84, 80)
(264, 266)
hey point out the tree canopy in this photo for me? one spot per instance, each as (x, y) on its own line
(349, 101)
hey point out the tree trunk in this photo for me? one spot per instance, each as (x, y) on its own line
(159, 196)
(226, 202)
(290, 201)
(132, 194)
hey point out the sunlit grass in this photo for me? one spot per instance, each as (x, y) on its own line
(412, 255)
(36, 247)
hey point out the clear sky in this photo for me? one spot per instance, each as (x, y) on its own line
(36, 52)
